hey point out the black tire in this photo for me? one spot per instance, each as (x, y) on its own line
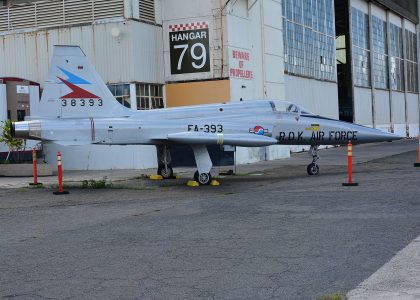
(313, 169)
(166, 173)
(202, 179)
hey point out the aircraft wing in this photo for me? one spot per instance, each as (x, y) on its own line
(201, 138)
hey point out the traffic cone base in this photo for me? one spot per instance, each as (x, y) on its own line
(61, 193)
(350, 184)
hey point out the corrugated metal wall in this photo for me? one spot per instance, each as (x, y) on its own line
(58, 12)
(134, 55)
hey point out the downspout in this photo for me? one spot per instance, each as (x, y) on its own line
(404, 54)
(262, 21)
(372, 77)
(388, 41)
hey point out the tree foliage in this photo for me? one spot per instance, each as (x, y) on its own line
(6, 137)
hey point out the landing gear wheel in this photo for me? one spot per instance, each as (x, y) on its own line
(313, 169)
(166, 172)
(203, 178)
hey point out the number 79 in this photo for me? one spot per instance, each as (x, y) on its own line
(202, 57)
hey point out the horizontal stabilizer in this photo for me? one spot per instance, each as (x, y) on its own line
(201, 138)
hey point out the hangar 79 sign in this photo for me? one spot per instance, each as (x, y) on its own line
(189, 45)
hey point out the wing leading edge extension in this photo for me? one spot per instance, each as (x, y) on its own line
(201, 138)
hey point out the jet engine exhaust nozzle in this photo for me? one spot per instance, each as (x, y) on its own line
(20, 130)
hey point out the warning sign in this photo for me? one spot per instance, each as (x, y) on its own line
(240, 64)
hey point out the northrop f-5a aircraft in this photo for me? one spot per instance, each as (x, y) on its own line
(78, 109)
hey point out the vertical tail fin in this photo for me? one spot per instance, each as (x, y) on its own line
(73, 89)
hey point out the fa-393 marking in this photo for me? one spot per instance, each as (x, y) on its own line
(319, 136)
(207, 128)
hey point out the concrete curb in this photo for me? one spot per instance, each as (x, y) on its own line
(397, 279)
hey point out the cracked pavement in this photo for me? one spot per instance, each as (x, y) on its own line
(281, 235)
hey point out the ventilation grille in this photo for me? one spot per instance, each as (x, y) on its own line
(58, 12)
(21, 17)
(147, 10)
(78, 11)
(49, 13)
(4, 19)
(105, 9)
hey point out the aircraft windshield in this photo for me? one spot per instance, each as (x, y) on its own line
(289, 107)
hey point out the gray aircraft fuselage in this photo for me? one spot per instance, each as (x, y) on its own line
(248, 123)
(77, 108)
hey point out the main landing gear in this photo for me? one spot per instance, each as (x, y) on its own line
(202, 159)
(204, 164)
(164, 162)
(313, 168)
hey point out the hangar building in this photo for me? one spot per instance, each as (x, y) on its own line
(350, 59)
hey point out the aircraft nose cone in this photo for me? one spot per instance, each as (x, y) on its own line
(395, 137)
(376, 135)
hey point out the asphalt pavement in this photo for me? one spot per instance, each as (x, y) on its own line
(271, 232)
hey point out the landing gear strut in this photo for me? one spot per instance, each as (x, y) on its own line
(204, 164)
(164, 162)
(313, 168)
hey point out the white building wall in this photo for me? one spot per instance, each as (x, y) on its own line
(244, 34)
(398, 113)
(363, 106)
(382, 108)
(256, 27)
(413, 114)
(320, 97)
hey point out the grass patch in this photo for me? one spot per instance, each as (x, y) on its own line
(39, 186)
(94, 184)
(337, 296)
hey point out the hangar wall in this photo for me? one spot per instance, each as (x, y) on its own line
(252, 51)
(126, 58)
(316, 96)
(118, 59)
(391, 105)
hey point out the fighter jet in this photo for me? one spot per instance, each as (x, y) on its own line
(77, 108)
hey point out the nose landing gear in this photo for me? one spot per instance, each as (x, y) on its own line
(313, 168)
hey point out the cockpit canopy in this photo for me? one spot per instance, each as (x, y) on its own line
(289, 107)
